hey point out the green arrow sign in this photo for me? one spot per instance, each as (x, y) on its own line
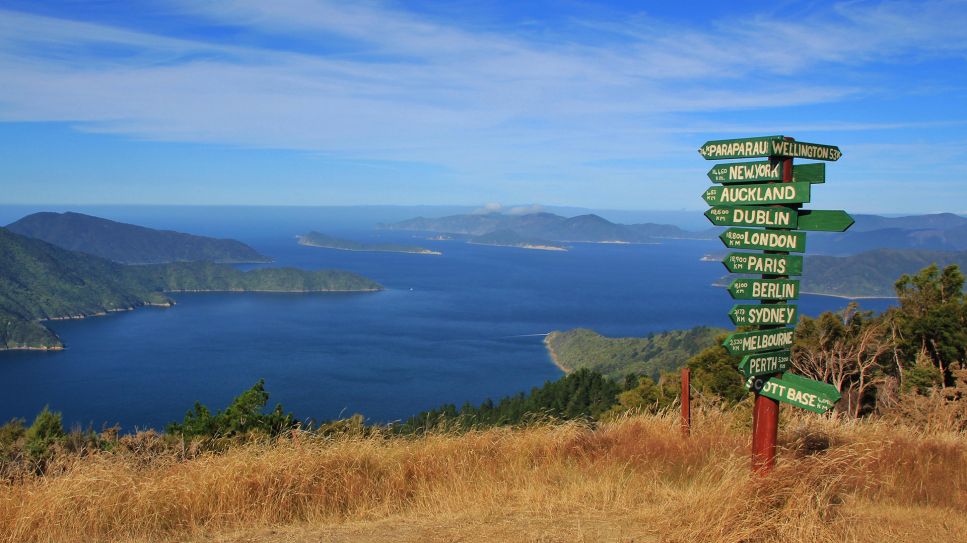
(747, 314)
(759, 340)
(766, 240)
(808, 394)
(765, 170)
(764, 289)
(816, 220)
(767, 264)
(760, 194)
(772, 217)
(767, 146)
(765, 363)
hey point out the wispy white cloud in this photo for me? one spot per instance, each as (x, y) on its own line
(406, 87)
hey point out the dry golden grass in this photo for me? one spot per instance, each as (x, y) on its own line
(634, 479)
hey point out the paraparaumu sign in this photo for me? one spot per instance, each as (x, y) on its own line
(753, 365)
(765, 170)
(756, 314)
(770, 217)
(768, 146)
(764, 289)
(765, 264)
(758, 341)
(808, 394)
(757, 194)
(764, 240)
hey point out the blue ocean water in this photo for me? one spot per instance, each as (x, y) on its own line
(455, 328)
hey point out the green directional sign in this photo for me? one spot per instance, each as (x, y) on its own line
(817, 220)
(765, 363)
(765, 170)
(758, 341)
(764, 289)
(766, 264)
(771, 217)
(765, 240)
(814, 396)
(754, 314)
(759, 194)
(768, 146)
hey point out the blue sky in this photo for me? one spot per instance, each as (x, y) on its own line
(599, 105)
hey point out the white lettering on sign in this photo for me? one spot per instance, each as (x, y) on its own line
(771, 314)
(767, 364)
(758, 343)
(806, 150)
(757, 194)
(774, 240)
(738, 148)
(758, 264)
(774, 290)
(762, 217)
(753, 171)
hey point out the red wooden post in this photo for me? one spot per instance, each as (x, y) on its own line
(686, 403)
(765, 415)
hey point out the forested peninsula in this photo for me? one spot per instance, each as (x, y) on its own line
(318, 239)
(39, 281)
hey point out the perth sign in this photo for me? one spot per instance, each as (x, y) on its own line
(765, 363)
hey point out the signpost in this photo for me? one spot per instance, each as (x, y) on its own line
(748, 314)
(763, 200)
(765, 240)
(772, 217)
(765, 364)
(765, 170)
(764, 289)
(759, 194)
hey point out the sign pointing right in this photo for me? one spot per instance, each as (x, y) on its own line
(817, 220)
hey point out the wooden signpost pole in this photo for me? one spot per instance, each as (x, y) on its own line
(766, 410)
(686, 403)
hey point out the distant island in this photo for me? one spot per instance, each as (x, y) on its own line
(39, 282)
(870, 274)
(588, 228)
(129, 243)
(509, 238)
(317, 239)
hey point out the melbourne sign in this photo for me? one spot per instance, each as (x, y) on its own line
(767, 264)
(757, 341)
(772, 217)
(765, 240)
(764, 289)
(760, 194)
(768, 146)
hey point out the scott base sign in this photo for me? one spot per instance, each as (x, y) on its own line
(808, 394)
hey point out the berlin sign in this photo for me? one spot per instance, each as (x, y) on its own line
(748, 314)
(806, 393)
(817, 220)
(765, 170)
(758, 194)
(765, 363)
(765, 240)
(767, 264)
(758, 341)
(764, 289)
(768, 146)
(772, 217)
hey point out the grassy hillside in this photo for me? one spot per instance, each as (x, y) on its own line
(128, 243)
(633, 479)
(617, 357)
(40, 281)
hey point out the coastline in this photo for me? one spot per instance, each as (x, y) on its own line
(422, 251)
(553, 355)
(525, 246)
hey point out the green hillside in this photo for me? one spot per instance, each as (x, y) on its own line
(39, 281)
(617, 357)
(872, 273)
(128, 243)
